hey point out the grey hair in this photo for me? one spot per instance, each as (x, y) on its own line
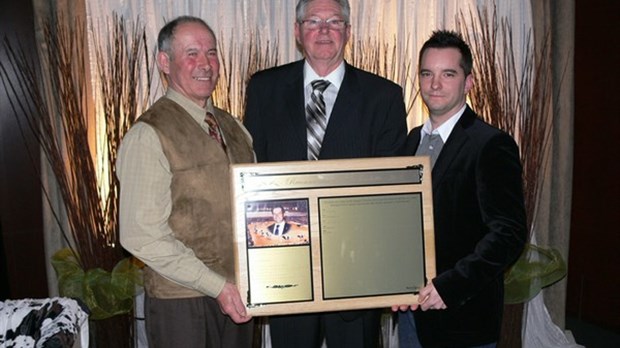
(166, 34)
(345, 8)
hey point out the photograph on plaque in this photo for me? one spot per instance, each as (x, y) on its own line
(330, 235)
(278, 251)
(277, 223)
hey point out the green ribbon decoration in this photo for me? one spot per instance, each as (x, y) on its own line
(105, 293)
(536, 269)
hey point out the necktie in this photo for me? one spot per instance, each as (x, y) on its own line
(276, 230)
(316, 118)
(214, 129)
(431, 146)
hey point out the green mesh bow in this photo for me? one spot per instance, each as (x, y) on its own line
(105, 293)
(536, 268)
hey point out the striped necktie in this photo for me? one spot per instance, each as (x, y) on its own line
(316, 118)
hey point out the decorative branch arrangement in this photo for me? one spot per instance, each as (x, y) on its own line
(378, 56)
(54, 102)
(54, 105)
(519, 100)
(237, 64)
(122, 60)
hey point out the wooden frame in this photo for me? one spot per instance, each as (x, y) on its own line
(359, 235)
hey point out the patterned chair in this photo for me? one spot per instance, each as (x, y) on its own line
(50, 323)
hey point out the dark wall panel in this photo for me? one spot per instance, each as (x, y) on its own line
(22, 252)
(594, 260)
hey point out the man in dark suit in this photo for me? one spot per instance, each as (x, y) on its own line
(479, 214)
(280, 221)
(363, 116)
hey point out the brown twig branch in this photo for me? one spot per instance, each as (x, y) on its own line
(53, 103)
(379, 56)
(517, 99)
(237, 64)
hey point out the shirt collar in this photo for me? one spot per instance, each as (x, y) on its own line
(194, 110)
(446, 128)
(335, 77)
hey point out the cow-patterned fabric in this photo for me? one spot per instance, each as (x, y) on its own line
(49, 323)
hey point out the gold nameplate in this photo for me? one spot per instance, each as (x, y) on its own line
(315, 236)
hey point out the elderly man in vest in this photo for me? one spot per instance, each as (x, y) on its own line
(175, 205)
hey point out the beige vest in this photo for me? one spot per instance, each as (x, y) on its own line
(201, 214)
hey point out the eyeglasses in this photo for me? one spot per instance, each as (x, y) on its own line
(316, 23)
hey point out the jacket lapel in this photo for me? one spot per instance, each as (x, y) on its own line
(295, 103)
(345, 111)
(450, 151)
(413, 141)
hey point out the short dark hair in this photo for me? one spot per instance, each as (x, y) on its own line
(166, 34)
(449, 39)
(278, 206)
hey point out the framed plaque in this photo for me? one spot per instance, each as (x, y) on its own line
(315, 236)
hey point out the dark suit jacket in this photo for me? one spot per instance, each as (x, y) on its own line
(368, 118)
(287, 227)
(480, 229)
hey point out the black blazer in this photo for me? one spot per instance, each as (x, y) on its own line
(480, 230)
(368, 118)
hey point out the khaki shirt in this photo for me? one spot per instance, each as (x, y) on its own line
(144, 172)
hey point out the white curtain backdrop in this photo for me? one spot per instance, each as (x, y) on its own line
(406, 23)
